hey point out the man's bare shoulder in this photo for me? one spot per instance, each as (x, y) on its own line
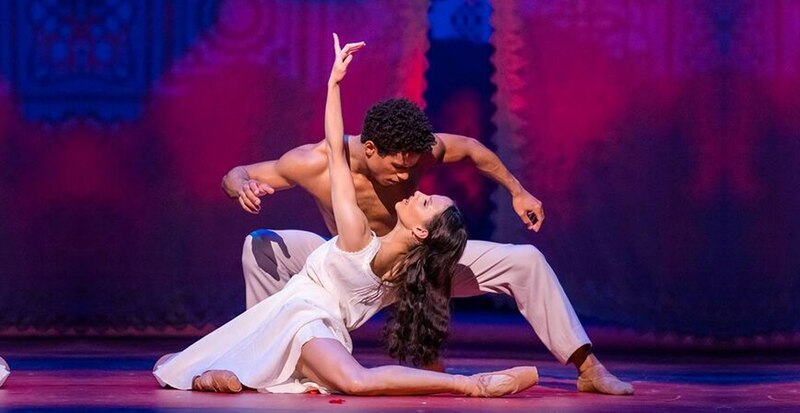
(310, 153)
(450, 147)
(435, 155)
(304, 162)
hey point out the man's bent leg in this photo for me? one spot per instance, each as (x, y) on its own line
(522, 272)
(270, 258)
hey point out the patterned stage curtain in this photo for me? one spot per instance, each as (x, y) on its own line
(662, 138)
(113, 217)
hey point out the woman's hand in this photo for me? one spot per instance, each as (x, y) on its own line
(344, 55)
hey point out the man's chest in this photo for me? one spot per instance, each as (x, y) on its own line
(375, 201)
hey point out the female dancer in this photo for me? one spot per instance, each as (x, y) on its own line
(298, 339)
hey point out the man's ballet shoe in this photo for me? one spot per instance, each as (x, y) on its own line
(597, 379)
(503, 382)
(4, 366)
(219, 381)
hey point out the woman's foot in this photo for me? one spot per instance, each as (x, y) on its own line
(596, 379)
(500, 383)
(219, 381)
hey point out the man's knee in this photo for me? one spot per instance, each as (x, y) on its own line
(260, 250)
(526, 261)
(264, 239)
(526, 255)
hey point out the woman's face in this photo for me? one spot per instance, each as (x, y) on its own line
(415, 211)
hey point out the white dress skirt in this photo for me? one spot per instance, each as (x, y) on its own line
(4, 371)
(334, 293)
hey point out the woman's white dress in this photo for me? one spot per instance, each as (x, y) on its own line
(334, 293)
(4, 372)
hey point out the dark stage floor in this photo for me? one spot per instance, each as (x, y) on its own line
(114, 375)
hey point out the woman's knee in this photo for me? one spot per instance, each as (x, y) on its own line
(354, 382)
(328, 362)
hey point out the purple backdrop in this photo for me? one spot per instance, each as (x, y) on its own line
(663, 138)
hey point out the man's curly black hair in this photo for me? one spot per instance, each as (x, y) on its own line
(397, 125)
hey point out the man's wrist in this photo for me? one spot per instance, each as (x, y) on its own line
(515, 188)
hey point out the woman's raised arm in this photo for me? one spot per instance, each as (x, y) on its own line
(352, 224)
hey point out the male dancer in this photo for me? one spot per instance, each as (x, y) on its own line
(395, 148)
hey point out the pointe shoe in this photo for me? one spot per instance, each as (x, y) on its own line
(219, 381)
(4, 370)
(500, 383)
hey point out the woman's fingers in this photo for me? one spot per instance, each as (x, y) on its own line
(344, 54)
(353, 47)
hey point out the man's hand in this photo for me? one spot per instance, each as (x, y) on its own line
(344, 55)
(250, 193)
(525, 204)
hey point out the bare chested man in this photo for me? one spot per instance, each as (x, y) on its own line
(396, 147)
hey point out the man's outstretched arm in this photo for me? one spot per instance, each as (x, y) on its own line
(453, 148)
(248, 183)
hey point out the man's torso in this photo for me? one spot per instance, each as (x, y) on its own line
(375, 200)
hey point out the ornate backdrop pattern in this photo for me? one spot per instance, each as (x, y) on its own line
(118, 120)
(663, 137)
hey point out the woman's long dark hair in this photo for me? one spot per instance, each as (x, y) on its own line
(418, 326)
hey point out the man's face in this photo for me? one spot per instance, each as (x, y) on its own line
(392, 169)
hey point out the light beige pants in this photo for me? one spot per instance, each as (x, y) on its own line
(270, 258)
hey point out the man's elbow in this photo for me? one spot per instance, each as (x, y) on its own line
(224, 187)
(228, 182)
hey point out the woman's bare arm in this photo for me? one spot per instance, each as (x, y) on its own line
(354, 232)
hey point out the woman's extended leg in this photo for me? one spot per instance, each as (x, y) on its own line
(327, 362)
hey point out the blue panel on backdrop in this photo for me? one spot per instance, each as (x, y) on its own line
(5, 40)
(88, 58)
(460, 20)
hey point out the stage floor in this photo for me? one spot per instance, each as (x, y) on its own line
(114, 375)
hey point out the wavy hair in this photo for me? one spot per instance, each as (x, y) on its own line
(418, 325)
